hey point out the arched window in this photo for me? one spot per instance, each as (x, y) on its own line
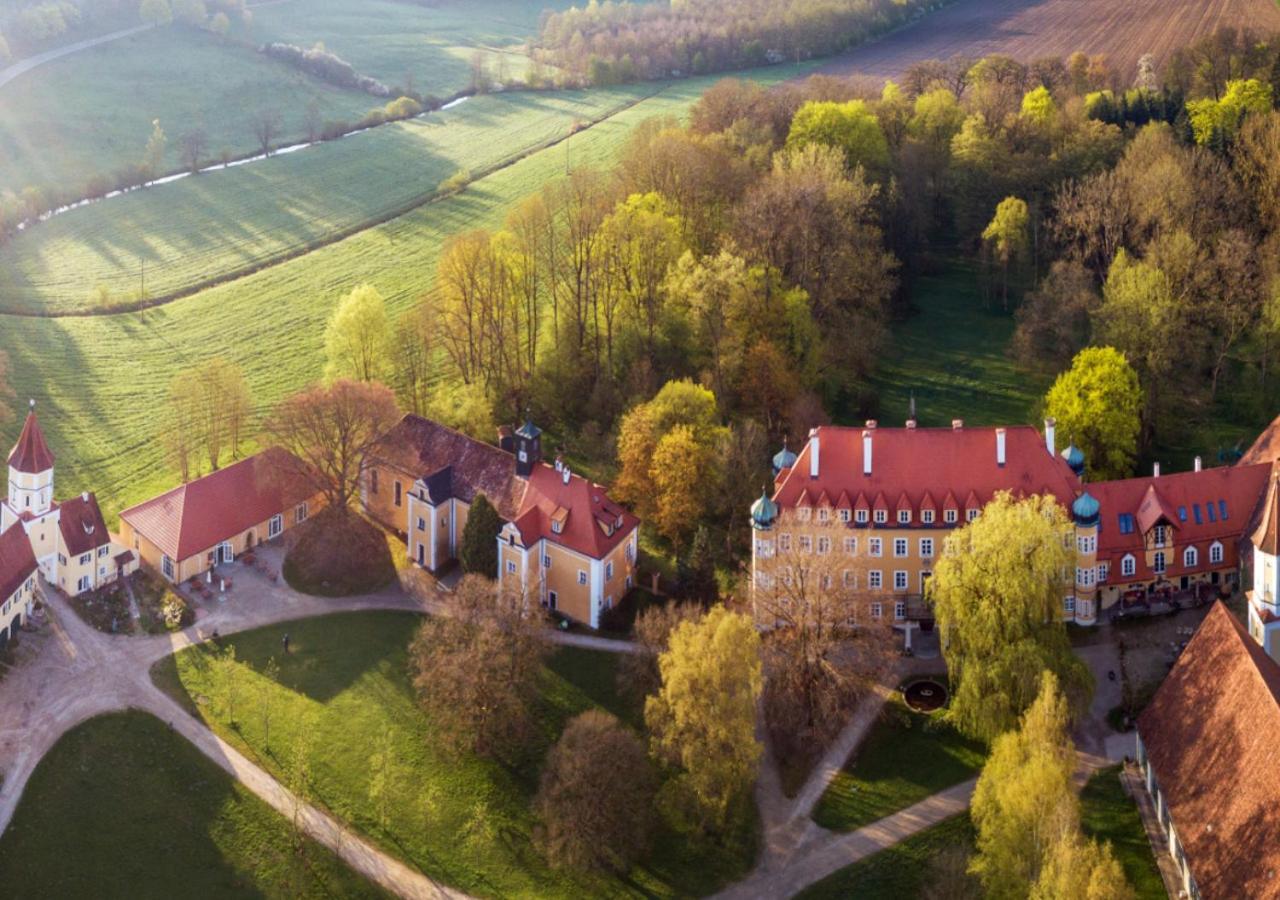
(1158, 562)
(1215, 552)
(1190, 558)
(1128, 565)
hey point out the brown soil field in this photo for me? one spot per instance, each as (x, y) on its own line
(1123, 30)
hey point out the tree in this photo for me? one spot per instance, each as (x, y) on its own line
(702, 720)
(357, 340)
(476, 669)
(1219, 120)
(180, 428)
(155, 12)
(1024, 801)
(328, 429)
(997, 593)
(412, 344)
(194, 144)
(1075, 867)
(682, 474)
(1098, 405)
(212, 402)
(478, 552)
(595, 796)
(849, 127)
(1007, 236)
(696, 571)
(1038, 107)
(219, 24)
(153, 156)
(638, 673)
(463, 407)
(265, 125)
(1054, 319)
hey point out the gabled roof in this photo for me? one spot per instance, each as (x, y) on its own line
(200, 514)
(17, 560)
(1266, 448)
(1153, 508)
(594, 524)
(1212, 733)
(80, 521)
(31, 454)
(1266, 537)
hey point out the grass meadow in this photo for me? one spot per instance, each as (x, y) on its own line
(187, 233)
(90, 113)
(123, 807)
(100, 382)
(344, 688)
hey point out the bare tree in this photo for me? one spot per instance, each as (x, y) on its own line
(192, 147)
(412, 349)
(638, 673)
(266, 126)
(312, 121)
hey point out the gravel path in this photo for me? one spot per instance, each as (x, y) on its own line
(23, 66)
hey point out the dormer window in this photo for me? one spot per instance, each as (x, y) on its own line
(904, 517)
(555, 526)
(882, 516)
(862, 517)
(824, 514)
(844, 515)
(926, 516)
(950, 516)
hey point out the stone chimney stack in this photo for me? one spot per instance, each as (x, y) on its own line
(866, 452)
(957, 424)
(1199, 464)
(1050, 442)
(813, 453)
(1155, 470)
(1000, 435)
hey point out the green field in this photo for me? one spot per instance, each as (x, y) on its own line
(1108, 814)
(100, 381)
(190, 232)
(906, 757)
(90, 113)
(389, 39)
(460, 819)
(123, 807)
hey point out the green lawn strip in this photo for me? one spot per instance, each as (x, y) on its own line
(90, 113)
(906, 757)
(1109, 814)
(899, 872)
(123, 807)
(462, 820)
(98, 380)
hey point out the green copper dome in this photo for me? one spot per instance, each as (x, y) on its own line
(764, 512)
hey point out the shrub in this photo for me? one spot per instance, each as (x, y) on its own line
(337, 553)
(479, 551)
(334, 129)
(456, 182)
(326, 66)
(176, 611)
(402, 108)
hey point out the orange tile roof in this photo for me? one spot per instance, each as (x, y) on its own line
(31, 453)
(1266, 448)
(1266, 537)
(17, 560)
(200, 514)
(82, 526)
(595, 525)
(1212, 733)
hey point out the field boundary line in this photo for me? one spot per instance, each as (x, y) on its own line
(339, 234)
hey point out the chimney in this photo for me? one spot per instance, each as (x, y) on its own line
(872, 423)
(813, 453)
(911, 424)
(85, 496)
(1155, 470)
(565, 474)
(957, 424)
(1199, 464)
(1000, 447)
(1050, 443)
(866, 452)
(559, 463)
(505, 440)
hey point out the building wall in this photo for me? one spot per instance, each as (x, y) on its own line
(580, 583)
(16, 608)
(100, 569)
(380, 505)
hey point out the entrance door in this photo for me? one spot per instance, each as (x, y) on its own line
(1183, 582)
(422, 554)
(225, 553)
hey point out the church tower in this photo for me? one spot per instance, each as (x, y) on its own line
(1085, 515)
(30, 473)
(1264, 599)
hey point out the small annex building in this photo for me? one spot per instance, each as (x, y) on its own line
(18, 569)
(193, 527)
(1209, 747)
(563, 540)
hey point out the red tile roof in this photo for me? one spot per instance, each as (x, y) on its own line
(1169, 498)
(1266, 448)
(17, 560)
(595, 525)
(31, 454)
(200, 514)
(1266, 537)
(82, 526)
(1212, 733)
(916, 463)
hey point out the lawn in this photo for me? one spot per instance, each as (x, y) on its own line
(899, 872)
(123, 807)
(90, 113)
(96, 378)
(344, 689)
(1108, 814)
(906, 757)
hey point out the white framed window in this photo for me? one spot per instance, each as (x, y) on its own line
(924, 581)
(803, 513)
(102, 551)
(926, 548)
(950, 516)
(845, 514)
(1215, 552)
(1104, 569)
(824, 514)
(608, 570)
(784, 542)
(900, 610)
(899, 548)
(546, 561)
(166, 566)
(875, 546)
(877, 610)
(970, 514)
(926, 516)
(875, 579)
(300, 513)
(422, 524)
(86, 558)
(1128, 565)
(83, 584)
(1159, 534)
(275, 525)
(861, 517)
(1190, 557)
(851, 546)
(806, 543)
(904, 517)
(511, 567)
(824, 545)
(850, 579)
(1069, 605)
(900, 580)
(764, 548)
(582, 576)
(882, 516)
(1158, 562)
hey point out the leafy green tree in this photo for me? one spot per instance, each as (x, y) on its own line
(1008, 239)
(851, 127)
(1024, 801)
(1038, 107)
(357, 340)
(153, 156)
(1098, 405)
(683, 475)
(464, 407)
(590, 818)
(478, 552)
(1075, 867)
(1214, 120)
(155, 12)
(702, 721)
(997, 594)
(696, 571)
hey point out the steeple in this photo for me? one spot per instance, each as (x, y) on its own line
(30, 471)
(31, 454)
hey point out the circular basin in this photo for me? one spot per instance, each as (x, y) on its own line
(925, 695)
